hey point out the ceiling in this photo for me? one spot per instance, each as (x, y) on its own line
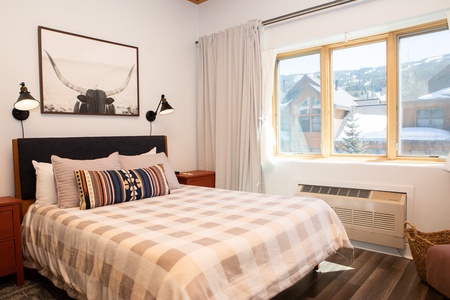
(197, 1)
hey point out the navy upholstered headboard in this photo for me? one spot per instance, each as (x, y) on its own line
(41, 149)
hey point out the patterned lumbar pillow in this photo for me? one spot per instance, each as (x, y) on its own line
(100, 188)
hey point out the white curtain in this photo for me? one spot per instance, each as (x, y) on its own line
(267, 133)
(229, 106)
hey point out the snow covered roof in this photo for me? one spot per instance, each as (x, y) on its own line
(372, 128)
(424, 134)
(378, 109)
(438, 95)
(343, 100)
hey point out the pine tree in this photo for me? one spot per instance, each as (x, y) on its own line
(353, 143)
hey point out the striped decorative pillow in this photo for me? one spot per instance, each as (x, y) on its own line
(100, 188)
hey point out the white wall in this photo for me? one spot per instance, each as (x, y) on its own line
(429, 185)
(163, 30)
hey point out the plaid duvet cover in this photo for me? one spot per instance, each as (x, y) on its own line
(196, 243)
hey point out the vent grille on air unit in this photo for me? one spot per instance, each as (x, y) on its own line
(368, 215)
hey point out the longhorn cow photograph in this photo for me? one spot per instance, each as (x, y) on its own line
(83, 75)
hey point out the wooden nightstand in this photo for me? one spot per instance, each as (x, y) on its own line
(198, 177)
(10, 242)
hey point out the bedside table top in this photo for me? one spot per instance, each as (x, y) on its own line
(198, 177)
(9, 201)
(196, 173)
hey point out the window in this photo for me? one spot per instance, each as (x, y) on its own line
(433, 118)
(424, 97)
(386, 96)
(300, 108)
(309, 115)
(359, 99)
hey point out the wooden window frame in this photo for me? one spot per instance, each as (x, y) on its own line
(392, 82)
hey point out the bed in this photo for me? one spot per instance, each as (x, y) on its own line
(182, 242)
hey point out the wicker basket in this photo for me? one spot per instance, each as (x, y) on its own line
(420, 242)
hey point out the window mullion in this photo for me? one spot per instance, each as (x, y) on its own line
(325, 83)
(391, 96)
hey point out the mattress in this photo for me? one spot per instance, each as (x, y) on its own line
(195, 243)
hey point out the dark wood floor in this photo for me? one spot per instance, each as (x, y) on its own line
(371, 276)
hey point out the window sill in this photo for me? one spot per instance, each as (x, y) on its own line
(439, 161)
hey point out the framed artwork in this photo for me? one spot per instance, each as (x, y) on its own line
(85, 75)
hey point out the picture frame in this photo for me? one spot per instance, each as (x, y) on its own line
(82, 75)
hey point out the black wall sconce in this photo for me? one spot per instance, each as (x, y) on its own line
(165, 109)
(24, 104)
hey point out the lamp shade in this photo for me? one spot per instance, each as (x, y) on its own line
(25, 100)
(165, 107)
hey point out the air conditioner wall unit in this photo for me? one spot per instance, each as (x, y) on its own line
(370, 216)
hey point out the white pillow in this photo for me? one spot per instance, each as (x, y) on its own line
(45, 184)
(145, 160)
(66, 184)
(152, 151)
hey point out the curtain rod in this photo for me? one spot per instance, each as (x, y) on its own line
(303, 12)
(306, 11)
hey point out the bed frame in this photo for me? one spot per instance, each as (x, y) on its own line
(25, 150)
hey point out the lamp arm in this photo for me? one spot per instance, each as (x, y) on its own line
(151, 115)
(159, 104)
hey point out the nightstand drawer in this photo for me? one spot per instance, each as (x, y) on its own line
(208, 182)
(8, 255)
(10, 240)
(6, 225)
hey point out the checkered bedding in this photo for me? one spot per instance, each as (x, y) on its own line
(196, 243)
